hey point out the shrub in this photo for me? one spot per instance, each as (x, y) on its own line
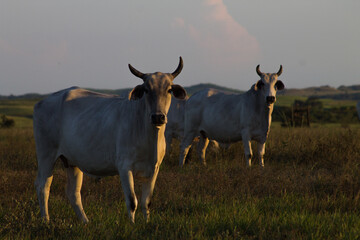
(6, 122)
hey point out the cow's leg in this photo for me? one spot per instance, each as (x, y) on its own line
(247, 149)
(146, 195)
(185, 146)
(73, 188)
(127, 183)
(202, 145)
(261, 152)
(43, 182)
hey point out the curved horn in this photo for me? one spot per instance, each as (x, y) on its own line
(178, 69)
(280, 71)
(258, 70)
(136, 72)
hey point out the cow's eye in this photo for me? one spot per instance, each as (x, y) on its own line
(146, 91)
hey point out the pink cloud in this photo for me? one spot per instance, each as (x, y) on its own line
(219, 37)
(219, 11)
(178, 23)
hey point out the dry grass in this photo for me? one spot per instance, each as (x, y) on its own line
(310, 188)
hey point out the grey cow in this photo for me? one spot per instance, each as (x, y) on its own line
(229, 118)
(103, 135)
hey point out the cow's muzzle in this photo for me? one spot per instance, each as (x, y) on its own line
(270, 99)
(158, 119)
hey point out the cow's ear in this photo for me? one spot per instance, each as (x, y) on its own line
(279, 85)
(137, 92)
(259, 85)
(178, 91)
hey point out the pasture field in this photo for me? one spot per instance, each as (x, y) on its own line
(21, 110)
(17, 107)
(288, 100)
(309, 189)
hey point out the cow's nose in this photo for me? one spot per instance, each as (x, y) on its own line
(158, 119)
(270, 99)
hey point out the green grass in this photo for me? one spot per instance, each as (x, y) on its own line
(20, 108)
(287, 101)
(330, 103)
(309, 189)
(22, 122)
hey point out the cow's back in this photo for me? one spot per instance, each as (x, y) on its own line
(216, 113)
(47, 116)
(196, 105)
(209, 104)
(48, 113)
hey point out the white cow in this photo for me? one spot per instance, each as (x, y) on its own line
(175, 124)
(104, 135)
(230, 118)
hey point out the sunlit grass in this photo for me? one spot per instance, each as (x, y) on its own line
(287, 101)
(18, 107)
(329, 103)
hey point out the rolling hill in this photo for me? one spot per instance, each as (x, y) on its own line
(328, 92)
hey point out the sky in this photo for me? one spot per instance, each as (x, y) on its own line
(46, 46)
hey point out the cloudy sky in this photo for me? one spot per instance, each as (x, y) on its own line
(46, 45)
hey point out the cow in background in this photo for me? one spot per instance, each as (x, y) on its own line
(175, 124)
(228, 118)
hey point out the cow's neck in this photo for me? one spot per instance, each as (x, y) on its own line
(263, 111)
(158, 143)
(266, 115)
(154, 136)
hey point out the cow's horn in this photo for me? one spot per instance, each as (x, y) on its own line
(258, 71)
(280, 71)
(136, 72)
(178, 69)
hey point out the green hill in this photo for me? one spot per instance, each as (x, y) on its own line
(328, 92)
